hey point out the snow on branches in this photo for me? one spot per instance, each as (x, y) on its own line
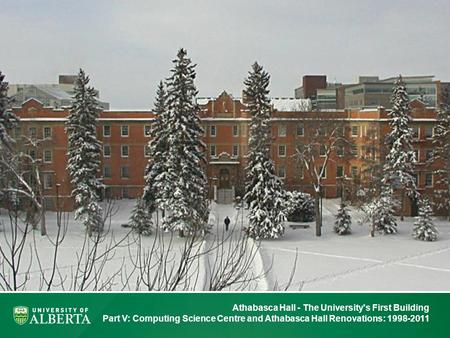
(424, 228)
(399, 164)
(84, 153)
(441, 153)
(264, 192)
(182, 180)
(342, 225)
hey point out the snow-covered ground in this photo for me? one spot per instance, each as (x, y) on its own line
(344, 263)
(358, 262)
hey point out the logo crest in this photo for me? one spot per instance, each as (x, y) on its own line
(20, 314)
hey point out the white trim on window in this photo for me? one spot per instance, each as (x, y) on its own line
(47, 156)
(49, 128)
(106, 127)
(106, 153)
(123, 128)
(147, 130)
(282, 146)
(126, 153)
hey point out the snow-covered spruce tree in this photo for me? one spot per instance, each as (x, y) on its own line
(441, 153)
(343, 223)
(84, 154)
(264, 192)
(382, 212)
(399, 163)
(7, 118)
(155, 189)
(141, 220)
(184, 192)
(424, 228)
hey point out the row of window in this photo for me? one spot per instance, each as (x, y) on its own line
(354, 172)
(282, 131)
(33, 132)
(234, 150)
(124, 171)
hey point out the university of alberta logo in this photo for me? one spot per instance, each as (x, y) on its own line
(20, 314)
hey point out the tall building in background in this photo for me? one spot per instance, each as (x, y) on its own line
(371, 91)
(323, 95)
(56, 95)
(367, 92)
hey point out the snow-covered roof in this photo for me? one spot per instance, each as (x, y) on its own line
(289, 104)
(204, 100)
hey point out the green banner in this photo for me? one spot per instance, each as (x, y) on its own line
(404, 315)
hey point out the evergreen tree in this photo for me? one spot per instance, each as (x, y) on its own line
(342, 225)
(7, 118)
(84, 154)
(424, 228)
(382, 211)
(184, 192)
(441, 153)
(264, 193)
(399, 165)
(141, 220)
(156, 179)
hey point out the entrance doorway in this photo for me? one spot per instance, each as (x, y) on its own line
(224, 179)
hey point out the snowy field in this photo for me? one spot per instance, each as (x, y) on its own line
(354, 262)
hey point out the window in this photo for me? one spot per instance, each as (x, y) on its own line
(417, 155)
(324, 172)
(428, 180)
(47, 132)
(124, 151)
(354, 171)
(340, 150)
(125, 172)
(235, 150)
(212, 150)
(301, 173)
(416, 179)
(321, 131)
(147, 130)
(428, 132)
(300, 130)
(339, 132)
(235, 130)
(212, 131)
(106, 131)
(322, 150)
(18, 132)
(415, 132)
(428, 154)
(32, 132)
(281, 150)
(48, 156)
(106, 150)
(48, 181)
(125, 193)
(355, 131)
(281, 172)
(282, 129)
(124, 131)
(354, 150)
(107, 171)
(339, 171)
(32, 153)
(146, 151)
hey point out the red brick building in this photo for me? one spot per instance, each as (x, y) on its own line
(125, 135)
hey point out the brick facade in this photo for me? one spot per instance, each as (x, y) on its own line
(226, 121)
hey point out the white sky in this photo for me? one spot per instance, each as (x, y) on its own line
(127, 46)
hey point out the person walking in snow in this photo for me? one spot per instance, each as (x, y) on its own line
(227, 223)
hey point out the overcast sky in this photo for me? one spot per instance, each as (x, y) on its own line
(127, 46)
